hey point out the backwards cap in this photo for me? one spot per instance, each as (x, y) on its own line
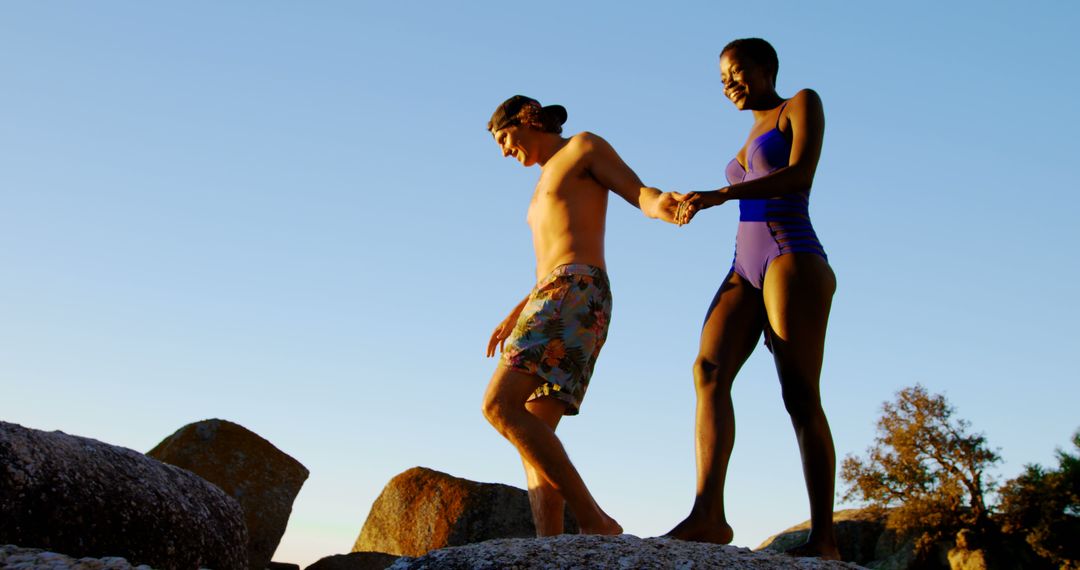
(507, 113)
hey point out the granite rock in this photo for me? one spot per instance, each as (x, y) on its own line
(421, 510)
(86, 498)
(600, 552)
(262, 478)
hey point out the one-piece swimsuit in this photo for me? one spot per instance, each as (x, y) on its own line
(769, 227)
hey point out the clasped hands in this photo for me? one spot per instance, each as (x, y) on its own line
(679, 209)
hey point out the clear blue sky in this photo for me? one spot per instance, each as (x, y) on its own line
(289, 215)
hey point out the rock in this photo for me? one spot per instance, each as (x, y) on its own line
(15, 558)
(590, 551)
(858, 532)
(422, 510)
(355, 561)
(83, 497)
(263, 479)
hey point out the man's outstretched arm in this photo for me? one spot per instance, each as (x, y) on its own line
(611, 172)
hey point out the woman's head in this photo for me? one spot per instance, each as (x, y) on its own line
(748, 70)
(756, 51)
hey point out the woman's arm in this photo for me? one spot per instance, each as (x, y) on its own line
(806, 118)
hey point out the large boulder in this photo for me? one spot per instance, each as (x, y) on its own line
(263, 479)
(85, 498)
(590, 551)
(422, 510)
(860, 535)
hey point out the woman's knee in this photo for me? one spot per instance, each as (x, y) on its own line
(710, 376)
(802, 403)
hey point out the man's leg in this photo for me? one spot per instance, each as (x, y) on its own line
(504, 407)
(547, 503)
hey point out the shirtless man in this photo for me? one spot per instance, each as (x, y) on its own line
(550, 340)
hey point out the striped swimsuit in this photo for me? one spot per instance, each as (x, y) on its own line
(771, 227)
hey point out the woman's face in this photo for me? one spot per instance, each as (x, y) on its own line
(744, 80)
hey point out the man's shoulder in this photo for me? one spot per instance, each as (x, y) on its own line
(587, 138)
(585, 143)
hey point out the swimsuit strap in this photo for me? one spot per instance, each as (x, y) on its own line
(780, 114)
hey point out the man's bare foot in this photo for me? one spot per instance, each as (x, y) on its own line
(810, 550)
(699, 530)
(608, 526)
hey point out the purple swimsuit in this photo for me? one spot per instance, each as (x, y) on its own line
(770, 227)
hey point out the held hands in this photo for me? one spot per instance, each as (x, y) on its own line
(679, 209)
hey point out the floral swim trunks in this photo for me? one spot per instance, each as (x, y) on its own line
(560, 332)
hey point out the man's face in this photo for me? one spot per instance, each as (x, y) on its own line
(511, 141)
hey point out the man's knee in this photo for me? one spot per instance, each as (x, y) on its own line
(494, 410)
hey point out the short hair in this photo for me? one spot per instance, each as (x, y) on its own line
(757, 50)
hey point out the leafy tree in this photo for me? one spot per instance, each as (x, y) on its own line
(925, 468)
(1043, 506)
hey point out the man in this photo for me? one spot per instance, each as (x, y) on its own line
(550, 340)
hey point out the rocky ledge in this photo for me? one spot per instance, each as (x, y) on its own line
(617, 552)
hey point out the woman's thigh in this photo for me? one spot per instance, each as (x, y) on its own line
(733, 325)
(797, 293)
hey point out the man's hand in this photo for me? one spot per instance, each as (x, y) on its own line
(676, 208)
(502, 332)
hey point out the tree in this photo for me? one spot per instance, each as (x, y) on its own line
(925, 468)
(1043, 506)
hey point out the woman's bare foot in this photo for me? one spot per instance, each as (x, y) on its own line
(810, 550)
(698, 529)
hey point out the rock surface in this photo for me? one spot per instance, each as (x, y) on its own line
(83, 497)
(262, 478)
(617, 552)
(355, 561)
(15, 558)
(421, 510)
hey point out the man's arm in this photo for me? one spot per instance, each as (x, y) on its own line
(502, 332)
(608, 168)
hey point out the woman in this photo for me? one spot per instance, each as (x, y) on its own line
(780, 283)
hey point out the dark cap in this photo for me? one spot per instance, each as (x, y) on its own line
(508, 111)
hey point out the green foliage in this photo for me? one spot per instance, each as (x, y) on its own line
(1044, 507)
(925, 467)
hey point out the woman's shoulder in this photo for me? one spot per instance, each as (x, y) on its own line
(805, 105)
(805, 97)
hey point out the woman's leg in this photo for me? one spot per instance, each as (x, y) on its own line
(731, 331)
(798, 292)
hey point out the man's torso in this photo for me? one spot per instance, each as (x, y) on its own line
(568, 211)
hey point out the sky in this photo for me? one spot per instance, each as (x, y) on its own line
(289, 215)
